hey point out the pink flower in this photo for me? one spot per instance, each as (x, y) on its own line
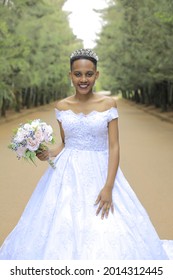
(39, 135)
(32, 144)
(21, 151)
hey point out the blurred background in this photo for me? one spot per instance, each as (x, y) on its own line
(133, 40)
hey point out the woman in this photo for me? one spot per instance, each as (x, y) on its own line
(85, 208)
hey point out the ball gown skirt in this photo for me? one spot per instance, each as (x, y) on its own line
(60, 222)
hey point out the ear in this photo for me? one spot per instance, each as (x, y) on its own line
(70, 76)
(97, 74)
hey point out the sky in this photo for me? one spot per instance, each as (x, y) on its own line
(83, 20)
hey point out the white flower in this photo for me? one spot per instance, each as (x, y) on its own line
(47, 132)
(49, 129)
(48, 138)
(35, 123)
(27, 127)
(19, 137)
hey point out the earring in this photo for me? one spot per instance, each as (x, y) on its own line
(71, 83)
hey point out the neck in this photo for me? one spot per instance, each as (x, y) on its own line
(83, 98)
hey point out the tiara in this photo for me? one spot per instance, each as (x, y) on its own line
(84, 53)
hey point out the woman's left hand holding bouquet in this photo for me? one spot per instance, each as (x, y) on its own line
(43, 154)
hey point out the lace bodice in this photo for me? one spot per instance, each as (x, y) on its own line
(86, 132)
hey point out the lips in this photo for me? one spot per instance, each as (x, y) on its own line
(83, 86)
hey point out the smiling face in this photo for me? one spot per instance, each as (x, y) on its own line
(83, 75)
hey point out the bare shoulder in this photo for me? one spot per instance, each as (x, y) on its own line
(63, 104)
(109, 102)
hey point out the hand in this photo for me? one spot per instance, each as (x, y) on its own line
(43, 154)
(104, 200)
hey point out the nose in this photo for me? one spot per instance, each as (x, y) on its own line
(83, 78)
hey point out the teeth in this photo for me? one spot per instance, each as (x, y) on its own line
(83, 86)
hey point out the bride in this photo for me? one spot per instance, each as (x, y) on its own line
(85, 208)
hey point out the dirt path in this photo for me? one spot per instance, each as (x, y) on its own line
(146, 160)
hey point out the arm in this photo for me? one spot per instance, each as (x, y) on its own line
(104, 198)
(55, 152)
(113, 152)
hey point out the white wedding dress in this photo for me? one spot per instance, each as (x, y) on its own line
(60, 222)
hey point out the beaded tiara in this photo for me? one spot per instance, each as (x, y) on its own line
(84, 53)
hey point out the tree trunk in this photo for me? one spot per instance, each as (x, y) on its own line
(142, 99)
(137, 97)
(124, 94)
(18, 101)
(42, 101)
(155, 96)
(36, 97)
(5, 2)
(147, 96)
(3, 108)
(28, 98)
(170, 94)
(164, 96)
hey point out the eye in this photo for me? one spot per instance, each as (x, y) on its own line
(90, 74)
(77, 74)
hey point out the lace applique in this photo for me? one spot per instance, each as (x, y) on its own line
(86, 131)
(112, 114)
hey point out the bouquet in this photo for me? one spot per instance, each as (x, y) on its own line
(30, 138)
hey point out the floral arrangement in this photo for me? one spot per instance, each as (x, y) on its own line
(30, 138)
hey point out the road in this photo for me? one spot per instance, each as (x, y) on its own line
(146, 160)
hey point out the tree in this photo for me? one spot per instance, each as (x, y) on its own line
(36, 40)
(137, 38)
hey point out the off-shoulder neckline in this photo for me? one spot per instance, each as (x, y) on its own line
(88, 114)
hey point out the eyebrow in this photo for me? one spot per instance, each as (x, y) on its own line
(84, 71)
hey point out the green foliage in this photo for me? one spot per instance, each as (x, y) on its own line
(30, 156)
(135, 47)
(35, 43)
